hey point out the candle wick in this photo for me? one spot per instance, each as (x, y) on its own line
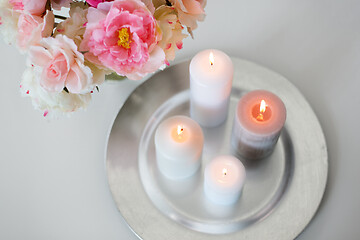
(180, 130)
(260, 117)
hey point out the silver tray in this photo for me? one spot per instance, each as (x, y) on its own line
(281, 193)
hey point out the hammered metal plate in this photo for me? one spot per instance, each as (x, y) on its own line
(281, 193)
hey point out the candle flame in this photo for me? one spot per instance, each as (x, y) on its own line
(224, 171)
(180, 130)
(211, 58)
(262, 106)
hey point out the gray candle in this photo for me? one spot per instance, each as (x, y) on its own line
(260, 116)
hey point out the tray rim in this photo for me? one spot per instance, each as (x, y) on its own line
(323, 161)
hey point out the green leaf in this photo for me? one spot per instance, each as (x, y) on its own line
(114, 77)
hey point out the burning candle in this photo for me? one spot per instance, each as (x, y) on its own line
(211, 74)
(179, 142)
(224, 179)
(260, 116)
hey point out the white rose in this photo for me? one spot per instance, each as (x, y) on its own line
(74, 26)
(52, 104)
(171, 28)
(58, 4)
(8, 21)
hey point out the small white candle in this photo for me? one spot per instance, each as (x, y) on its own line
(260, 116)
(224, 179)
(179, 142)
(211, 74)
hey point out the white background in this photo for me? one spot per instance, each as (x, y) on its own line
(53, 182)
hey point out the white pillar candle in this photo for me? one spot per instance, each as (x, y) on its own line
(259, 118)
(211, 74)
(179, 142)
(224, 178)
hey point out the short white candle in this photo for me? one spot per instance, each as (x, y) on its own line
(260, 116)
(224, 178)
(179, 142)
(211, 74)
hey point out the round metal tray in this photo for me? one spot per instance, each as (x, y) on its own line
(281, 194)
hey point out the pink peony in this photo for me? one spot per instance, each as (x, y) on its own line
(94, 3)
(122, 35)
(59, 64)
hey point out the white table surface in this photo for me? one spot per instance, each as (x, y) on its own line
(53, 183)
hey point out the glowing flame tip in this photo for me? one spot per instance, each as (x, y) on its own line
(263, 106)
(180, 130)
(211, 58)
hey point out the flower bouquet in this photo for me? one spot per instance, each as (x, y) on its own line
(69, 53)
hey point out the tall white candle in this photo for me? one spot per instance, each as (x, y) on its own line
(179, 142)
(259, 118)
(224, 178)
(211, 74)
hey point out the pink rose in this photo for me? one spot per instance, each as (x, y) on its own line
(35, 7)
(17, 5)
(59, 64)
(32, 28)
(122, 36)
